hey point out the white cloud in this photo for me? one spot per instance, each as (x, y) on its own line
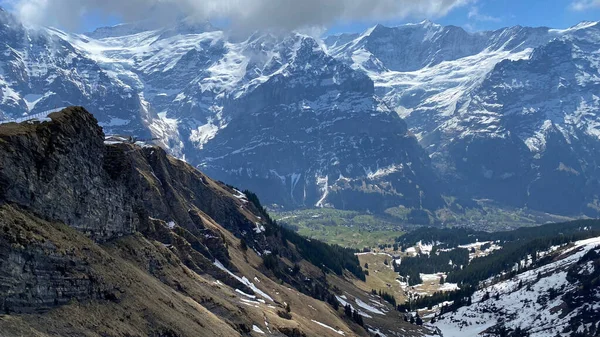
(474, 14)
(581, 5)
(244, 14)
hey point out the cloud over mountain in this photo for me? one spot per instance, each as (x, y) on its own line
(243, 14)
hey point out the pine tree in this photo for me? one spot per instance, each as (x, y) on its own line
(418, 320)
(243, 245)
(357, 318)
(348, 311)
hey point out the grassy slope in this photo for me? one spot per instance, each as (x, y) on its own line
(173, 298)
(380, 276)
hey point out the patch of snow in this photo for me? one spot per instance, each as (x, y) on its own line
(323, 183)
(424, 249)
(339, 332)
(243, 293)
(382, 172)
(376, 332)
(259, 229)
(202, 134)
(257, 329)
(474, 245)
(243, 280)
(32, 99)
(368, 307)
(115, 122)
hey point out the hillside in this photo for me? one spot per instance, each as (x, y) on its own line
(527, 282)
(105, 237)
(557, 298)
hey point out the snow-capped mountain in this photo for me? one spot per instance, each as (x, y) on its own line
(40, 71)
(276, 114)
(310, 122)
(510, 115)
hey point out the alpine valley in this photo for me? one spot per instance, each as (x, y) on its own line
(403, 116)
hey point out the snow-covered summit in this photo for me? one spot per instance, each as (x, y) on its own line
(331, 110)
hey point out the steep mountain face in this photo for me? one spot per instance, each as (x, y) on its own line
(508, 115)
(413, 47)
(308, 133)
(544, 115)
(108, 238)
(424, 44)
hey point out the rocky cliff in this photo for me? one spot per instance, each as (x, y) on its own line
(111, 238)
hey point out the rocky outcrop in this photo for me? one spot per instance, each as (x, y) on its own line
(55, 169)
(34, 274)
(62, 171)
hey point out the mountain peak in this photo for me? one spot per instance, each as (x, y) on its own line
(377, 29)
(585, 24)
(183, 26)
(428, 23)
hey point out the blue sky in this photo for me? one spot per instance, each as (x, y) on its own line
(475, 15)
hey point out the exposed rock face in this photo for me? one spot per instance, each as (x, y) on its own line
(540, 116)
(62, 171)
(35, 275)
(305, 138)
(113, 238)
(56, 170)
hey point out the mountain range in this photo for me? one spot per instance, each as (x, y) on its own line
(420, 115)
